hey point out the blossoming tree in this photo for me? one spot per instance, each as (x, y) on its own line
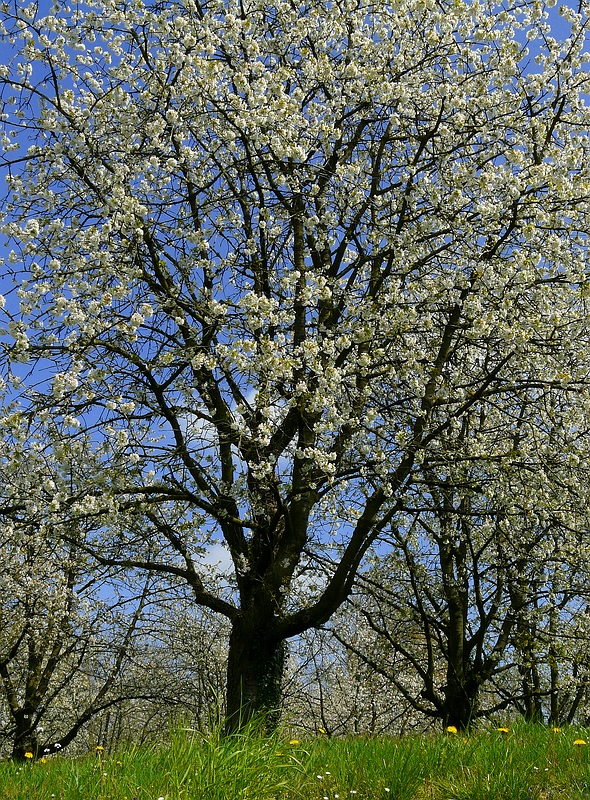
(67, 629)
(483, 607)
(267, 254)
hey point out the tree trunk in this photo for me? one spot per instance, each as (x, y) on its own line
(460, 693)
(460, 703)
(554, 709)
(25, 738)
(255, 668)
(531, 690)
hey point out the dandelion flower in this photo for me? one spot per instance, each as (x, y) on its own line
(28, 754)
(99, 748)
(294, 742)
(43, 760)
(579, 742)
(556, 730)
(451, 729)
(503, 730)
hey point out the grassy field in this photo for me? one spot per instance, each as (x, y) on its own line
(524, 763)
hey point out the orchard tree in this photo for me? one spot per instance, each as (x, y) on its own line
(331, 689)
(176, 664)
(66, 627)
(550, 641)
(266, 255)
(484, 571)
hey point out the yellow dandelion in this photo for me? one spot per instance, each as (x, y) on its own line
(28, 754)
(99, 748)
(579, 742)
(556, 730)
(321, 730)
(43, 760)
(503, 730)
(451, 729)
(294, 742)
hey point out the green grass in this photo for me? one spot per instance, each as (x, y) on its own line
(528, 763)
